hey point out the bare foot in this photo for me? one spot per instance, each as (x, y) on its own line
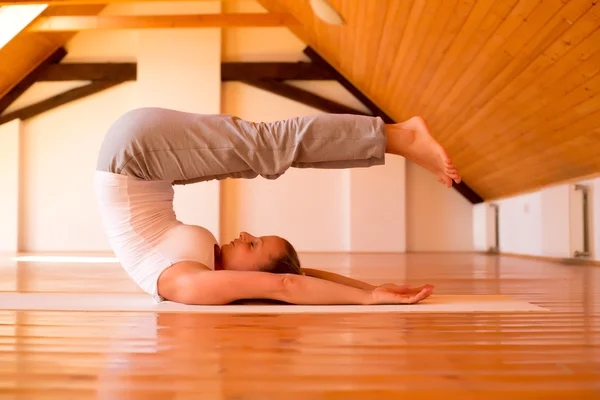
(412, 140)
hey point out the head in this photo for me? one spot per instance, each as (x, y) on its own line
(265, 253)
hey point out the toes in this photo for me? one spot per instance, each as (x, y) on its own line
(445, 180)
(452, 173)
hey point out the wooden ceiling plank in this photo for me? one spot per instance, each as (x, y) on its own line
(402, 54)
(106, 22)
(556, 82)
(302, 96)
(374, 31)
(482, 73)
(58, 100)
(400, 82)
(323, 35)
(79, 2)
(30, 79)
(540, 102)
(485, 32)
(89, 72)
(562, 104)
(523, 74)
(444, 41)
(396, 20)
(357, 16)
(519, 25)
(505, 184)
(436, 27)
(462, 187)
(377, 27)
(317, 59)
(544, 141)
(462, 40)
(68, 10)
(302, 30)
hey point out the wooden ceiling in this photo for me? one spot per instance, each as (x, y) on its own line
(29, 49)
(510, 88)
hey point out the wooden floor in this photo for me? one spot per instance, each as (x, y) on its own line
(62, 355)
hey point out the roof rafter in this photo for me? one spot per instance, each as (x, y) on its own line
(31, 78)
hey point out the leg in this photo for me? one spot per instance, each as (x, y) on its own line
(161, 144)
(412, 139)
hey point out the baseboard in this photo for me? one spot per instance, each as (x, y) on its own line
(570, 261)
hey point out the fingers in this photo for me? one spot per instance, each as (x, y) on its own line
(406, 289)
(420, 289)
(422, 295)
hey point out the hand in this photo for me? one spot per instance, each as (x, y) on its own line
(395, 294)
(404, 289)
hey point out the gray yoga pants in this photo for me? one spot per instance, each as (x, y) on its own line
(184, 148)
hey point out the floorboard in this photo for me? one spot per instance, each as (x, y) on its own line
(126, 355)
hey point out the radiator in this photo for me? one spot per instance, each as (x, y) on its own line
(579, 221)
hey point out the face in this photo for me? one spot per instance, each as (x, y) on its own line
(248, 253)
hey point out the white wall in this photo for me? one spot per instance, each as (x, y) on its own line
(393, 208)
(520, 221)
(546, 222)
(259, 44)
(9, 185)
(484, 227)
(594, 217)
(593, 189)
(378, 207)
(317, 210)
(59, 211)
(181, 69)
(292, 203)
(388, 208)
(555, 222)
(176, 68)
(437, 218)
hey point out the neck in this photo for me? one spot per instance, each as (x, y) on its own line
(218, 263)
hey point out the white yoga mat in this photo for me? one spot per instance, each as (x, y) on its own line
(144, 303)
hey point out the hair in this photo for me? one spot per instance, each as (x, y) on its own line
(288, 263)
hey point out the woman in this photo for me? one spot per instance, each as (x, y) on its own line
(148, 150)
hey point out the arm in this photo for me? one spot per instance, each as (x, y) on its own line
(333, 277)
(224, 287)
(193, 283)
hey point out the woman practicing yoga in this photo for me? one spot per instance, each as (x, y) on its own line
(148, 150)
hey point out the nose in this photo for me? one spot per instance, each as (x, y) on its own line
(246, 237)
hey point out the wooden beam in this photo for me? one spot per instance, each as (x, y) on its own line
(75, 2)
(53, 102)
(30, 79)
(282, 71)
(316, 58)
(89, 22)
(467, 192)
(120, 72)
(302, 96)
(462, 187)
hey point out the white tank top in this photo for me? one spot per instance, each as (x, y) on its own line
(139, 220)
